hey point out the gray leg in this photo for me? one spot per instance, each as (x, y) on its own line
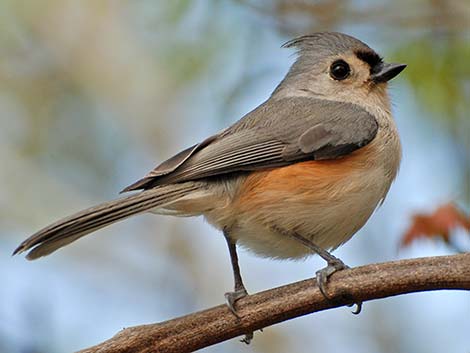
(240, 290)
(333, 264)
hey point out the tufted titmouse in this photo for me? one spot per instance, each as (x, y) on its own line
(298, 175)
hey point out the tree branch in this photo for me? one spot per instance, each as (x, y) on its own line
(204, 328)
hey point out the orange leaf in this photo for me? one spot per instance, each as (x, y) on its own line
(440, 223)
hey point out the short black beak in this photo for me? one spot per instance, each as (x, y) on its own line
(385, 72)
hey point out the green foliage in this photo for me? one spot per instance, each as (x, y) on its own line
(439, 73)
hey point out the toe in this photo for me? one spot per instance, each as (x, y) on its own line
(248, 338)
(232, 297)
(358, 308)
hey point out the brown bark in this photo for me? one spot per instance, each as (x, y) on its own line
(204, 328)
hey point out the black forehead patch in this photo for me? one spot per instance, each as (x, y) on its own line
(369, 56)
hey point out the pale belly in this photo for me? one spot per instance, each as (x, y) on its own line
(327, 222)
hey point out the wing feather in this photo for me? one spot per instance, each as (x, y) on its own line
(278, 132)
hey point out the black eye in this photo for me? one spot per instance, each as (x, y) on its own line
(340, 70)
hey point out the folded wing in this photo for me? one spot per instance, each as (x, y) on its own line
(277, 133)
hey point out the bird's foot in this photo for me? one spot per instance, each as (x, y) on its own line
(232, 297)
(248, 338)
(334, 264)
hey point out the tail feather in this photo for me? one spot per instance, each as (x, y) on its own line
(71, 228)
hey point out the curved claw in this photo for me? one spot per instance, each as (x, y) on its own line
(322, 278)
(323, 274)
(358, 308)
(232, 297)
(248, 338)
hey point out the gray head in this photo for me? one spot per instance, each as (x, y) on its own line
(336, 66)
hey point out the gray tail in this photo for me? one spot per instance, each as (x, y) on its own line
(71, 228)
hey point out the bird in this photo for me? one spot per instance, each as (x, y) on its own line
(299, 175)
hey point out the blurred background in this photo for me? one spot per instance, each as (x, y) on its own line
(94, 94)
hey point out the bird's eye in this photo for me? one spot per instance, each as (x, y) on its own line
(340, 70)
